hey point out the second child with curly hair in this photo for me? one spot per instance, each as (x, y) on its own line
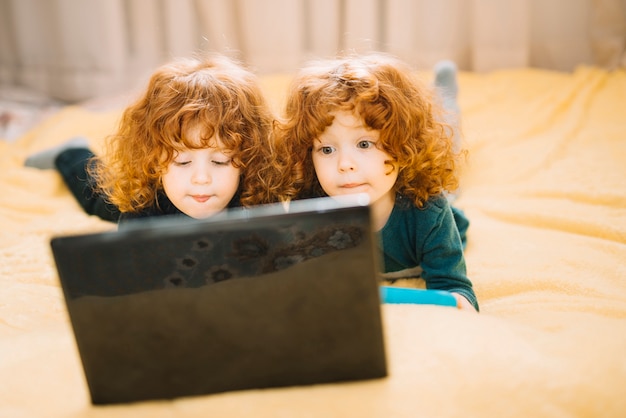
(365, 124)
(197, 141)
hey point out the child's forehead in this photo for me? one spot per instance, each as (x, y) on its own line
(198, 135)
(348, 119)
(346, 124)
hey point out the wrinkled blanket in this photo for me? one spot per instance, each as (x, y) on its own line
(545, 190)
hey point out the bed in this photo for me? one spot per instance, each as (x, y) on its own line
(545, 190)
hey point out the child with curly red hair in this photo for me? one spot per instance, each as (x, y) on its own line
(195, 142)
(365, 124)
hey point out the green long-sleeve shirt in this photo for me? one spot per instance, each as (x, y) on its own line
(428, 243)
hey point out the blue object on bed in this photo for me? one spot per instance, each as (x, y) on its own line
(389, 294)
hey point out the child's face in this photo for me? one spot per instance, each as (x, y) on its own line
(347, 161)
(201, 182)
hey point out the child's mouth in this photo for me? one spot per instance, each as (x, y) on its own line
(201, 198)
(351, 185)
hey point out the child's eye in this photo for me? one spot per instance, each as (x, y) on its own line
(221, 162)
(365, 144)
(181, 163)
(326, 150)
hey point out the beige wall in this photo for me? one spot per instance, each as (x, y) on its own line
(76, 49)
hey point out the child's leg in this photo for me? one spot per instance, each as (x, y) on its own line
(447, 90)
(44, 160)
(71, 159)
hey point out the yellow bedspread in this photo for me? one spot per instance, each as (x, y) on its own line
(545, 190)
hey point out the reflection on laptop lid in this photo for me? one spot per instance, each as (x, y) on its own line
(248, 299)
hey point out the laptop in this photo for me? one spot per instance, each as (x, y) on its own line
(255, 298)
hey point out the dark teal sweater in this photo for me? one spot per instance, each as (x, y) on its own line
(428, 242)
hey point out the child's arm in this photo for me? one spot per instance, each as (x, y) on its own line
(443, 259)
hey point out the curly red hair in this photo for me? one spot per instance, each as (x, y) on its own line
(389, 97)
(214, 93)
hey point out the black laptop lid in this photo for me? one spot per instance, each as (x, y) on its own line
(251, 299)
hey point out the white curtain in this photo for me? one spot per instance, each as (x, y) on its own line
(78, 49)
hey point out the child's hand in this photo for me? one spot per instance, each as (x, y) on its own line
(463, 303)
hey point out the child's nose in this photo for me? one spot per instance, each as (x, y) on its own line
(201, 175)
(346, 162)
